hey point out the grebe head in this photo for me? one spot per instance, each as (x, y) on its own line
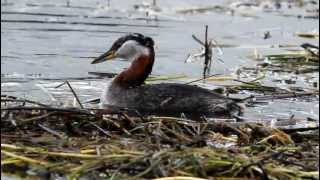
(128, 47)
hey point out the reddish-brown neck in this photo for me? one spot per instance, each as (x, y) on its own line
(137, 73)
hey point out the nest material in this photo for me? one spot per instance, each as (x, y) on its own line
(51, 142)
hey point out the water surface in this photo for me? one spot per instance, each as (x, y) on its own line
(44, 43)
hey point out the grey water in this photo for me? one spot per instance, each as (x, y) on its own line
(44, 43)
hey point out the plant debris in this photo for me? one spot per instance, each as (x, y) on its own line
(43, 141)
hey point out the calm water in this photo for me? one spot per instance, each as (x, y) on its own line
(44, 43)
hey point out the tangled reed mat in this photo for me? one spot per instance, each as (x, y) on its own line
(43, 142)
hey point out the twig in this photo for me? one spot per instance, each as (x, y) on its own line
(244, 82)
(55, 133)
(207, 53)
(307, 46)
(38, 117)
(99, 128)
(44, 90)
(198, 40)
(23, 158)
(103, 74)
(207, 59)
(7, 96)
(65, 110)
(180, 178)
(73, 92)
(202, 78)
(24, 101)
(128, 118)
(118, 126)
(289, 131)
(284, 96)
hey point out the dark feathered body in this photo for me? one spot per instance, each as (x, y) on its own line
(173, 99)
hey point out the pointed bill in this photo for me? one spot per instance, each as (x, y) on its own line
(104, 57)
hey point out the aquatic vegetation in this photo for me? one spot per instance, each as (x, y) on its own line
(43, 141)
(306, 60)
(311, 35)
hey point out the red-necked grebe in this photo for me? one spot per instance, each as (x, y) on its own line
(127, 90)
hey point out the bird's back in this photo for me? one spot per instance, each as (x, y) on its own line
(172, 98)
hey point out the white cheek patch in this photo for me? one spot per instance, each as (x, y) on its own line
(131, 50)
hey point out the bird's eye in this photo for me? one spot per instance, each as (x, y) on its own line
(116, 46)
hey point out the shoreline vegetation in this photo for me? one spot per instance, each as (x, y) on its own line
(58, 141)
(42, 141)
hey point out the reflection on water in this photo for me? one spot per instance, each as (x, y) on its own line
(45, 43)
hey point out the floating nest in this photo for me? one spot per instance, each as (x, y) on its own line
(39, 141)
(300, 62)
